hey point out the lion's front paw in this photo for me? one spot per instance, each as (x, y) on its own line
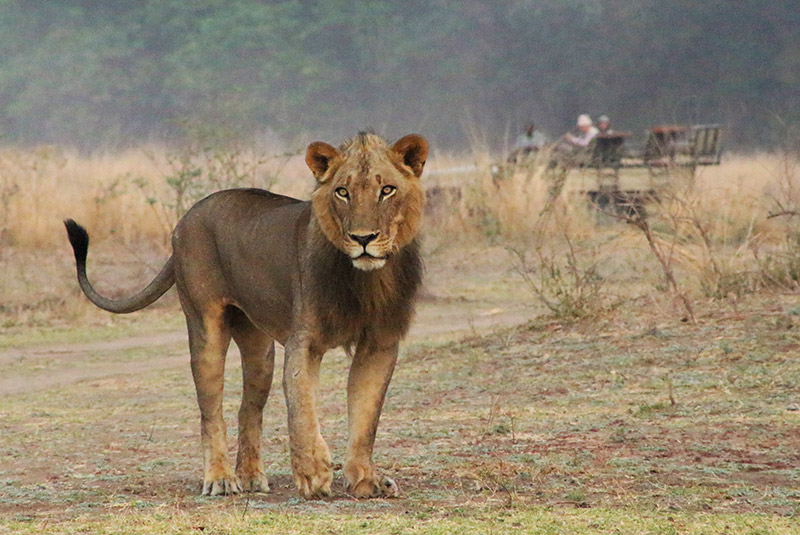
(313, 473)
(254, 482)
(221, 481)
(251, 474)
(364, 482)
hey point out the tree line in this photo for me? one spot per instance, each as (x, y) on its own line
(91, 72)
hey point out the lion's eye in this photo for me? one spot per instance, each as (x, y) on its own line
(342, 193)
(387, 191)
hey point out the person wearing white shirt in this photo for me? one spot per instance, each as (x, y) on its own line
(586, 132)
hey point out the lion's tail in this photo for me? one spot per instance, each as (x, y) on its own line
(79, 239)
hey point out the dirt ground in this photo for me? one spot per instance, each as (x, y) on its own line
(445, 313)
(493, 405)
(35, 373)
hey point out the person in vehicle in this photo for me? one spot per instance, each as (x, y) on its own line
(585, 134)
(572, 148)
(604, 125)
(529, 141)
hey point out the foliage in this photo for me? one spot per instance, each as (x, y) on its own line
(570, 288)
(31, 169)
(92, 72)
(212, 159)
(783, 266)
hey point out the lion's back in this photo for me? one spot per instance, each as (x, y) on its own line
(246, 199)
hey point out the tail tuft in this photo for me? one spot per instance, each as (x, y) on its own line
(79, 239)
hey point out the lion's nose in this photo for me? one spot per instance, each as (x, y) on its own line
(363, 239)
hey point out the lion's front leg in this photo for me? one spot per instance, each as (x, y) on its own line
(311, 459)
(369, 378)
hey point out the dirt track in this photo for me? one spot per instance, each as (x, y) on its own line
(52, 366)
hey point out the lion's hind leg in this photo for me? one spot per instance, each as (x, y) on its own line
(209, 338)
(258, 361)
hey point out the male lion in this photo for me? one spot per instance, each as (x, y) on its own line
(339, 270)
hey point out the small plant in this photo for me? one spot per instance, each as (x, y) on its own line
(664, 254)
(577, 497)
(22, 190)
(8, 189)
(570, 286)
(782, 266)
(495, 427)
(211, 159)
(669, 225)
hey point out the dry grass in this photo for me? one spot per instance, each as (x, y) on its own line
(717, 236)
(718, 233)
(41, 186)
(736, 196)
(123, 195)
(53, 184)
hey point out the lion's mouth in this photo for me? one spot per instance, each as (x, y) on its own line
(367, 255)
(356, 253)
(368, 262)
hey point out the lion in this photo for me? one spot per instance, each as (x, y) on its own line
(340, 270)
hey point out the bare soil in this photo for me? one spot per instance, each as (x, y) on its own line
(492, 405)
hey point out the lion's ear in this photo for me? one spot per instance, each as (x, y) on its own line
(318, 158)
(413, 149)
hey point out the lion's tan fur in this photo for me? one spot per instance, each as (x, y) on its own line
(256, 267)
(369, 152)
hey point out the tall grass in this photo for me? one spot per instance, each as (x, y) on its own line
(125, 194)
(129, 202)
(733, 229)
(129, 195)
(736, 229)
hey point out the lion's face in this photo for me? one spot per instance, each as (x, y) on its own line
(368, 199)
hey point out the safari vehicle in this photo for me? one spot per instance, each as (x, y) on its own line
(618, 177)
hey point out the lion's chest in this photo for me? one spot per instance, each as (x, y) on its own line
(348, 310)
(349, 305)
